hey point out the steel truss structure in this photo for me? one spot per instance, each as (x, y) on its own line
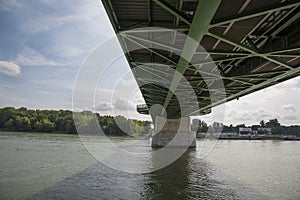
(253, 44)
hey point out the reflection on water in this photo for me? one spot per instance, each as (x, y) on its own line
(57, 167)
(184, 179)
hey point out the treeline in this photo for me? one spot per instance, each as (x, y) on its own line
(276, 127)
(49, 121)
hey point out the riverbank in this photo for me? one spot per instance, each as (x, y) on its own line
(64, 134)
(261, 137)
(252, 137)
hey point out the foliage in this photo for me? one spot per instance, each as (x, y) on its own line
(272, 123)
(49, 121)
(276, 128)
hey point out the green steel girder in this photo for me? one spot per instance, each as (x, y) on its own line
(111, 14)
(285, 55)
(211, 61)
(168, 28)
(227, 70)
(258, 86)
(159, 94)
(273, 35)
(253, 78)
(260, 73)
(171, 9)
(216, 77)
(284, 50)
(156, 94)
(256, 13)
(226, 78)
(148, 80)
(145, 63)
(222, 77)
(286, 24)
(267, 38)
(213, 52)
(157, 70)
(201, 23)
(153, 51)
(164, 79)
(252, 51)
(167, 46)
(197, 29)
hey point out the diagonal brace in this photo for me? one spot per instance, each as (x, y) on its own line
(171, 9)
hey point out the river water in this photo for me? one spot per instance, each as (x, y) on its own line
(49, 166)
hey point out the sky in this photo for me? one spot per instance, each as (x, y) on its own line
(43, 45)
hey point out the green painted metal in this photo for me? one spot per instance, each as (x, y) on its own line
(168, 7)
(237, 85)
(227, 70)
(173, 48)
(258, 86)
(110, 14)
(199, 27)
(212, 75)
(165, 46)
(256, 13)
(286, 24)
(211, 61)
(152, 51)
(280, 28)
(224, 77)
(226, 53)
(285, 55)
(155, 29)
(252, 51)
(284, 50)
(260, 73)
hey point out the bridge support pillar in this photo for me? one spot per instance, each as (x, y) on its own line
(173, 133)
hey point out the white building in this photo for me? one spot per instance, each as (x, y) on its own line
(245, 131)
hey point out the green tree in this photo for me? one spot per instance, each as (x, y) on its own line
(273, 123)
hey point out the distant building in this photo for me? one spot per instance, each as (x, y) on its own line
(245, 131)
(255, 131)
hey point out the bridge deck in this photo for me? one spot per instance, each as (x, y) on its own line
(253, 44)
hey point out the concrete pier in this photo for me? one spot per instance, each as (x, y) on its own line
(173, 133)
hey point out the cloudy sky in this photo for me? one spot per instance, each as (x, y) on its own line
(44, 43)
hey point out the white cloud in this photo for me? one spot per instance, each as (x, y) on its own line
(8, 5)
(90, 15)
(103, 106)
(290, 108)
(291, 118)
(9, 68)
(121, 104)
(30, 57)
(68, 30)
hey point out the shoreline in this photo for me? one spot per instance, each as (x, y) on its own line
(280, 138)
(273, 137)
(61, 134)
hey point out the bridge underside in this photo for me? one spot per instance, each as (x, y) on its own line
(247, 44)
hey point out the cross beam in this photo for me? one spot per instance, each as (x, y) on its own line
(199, 28)
(256, 13)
